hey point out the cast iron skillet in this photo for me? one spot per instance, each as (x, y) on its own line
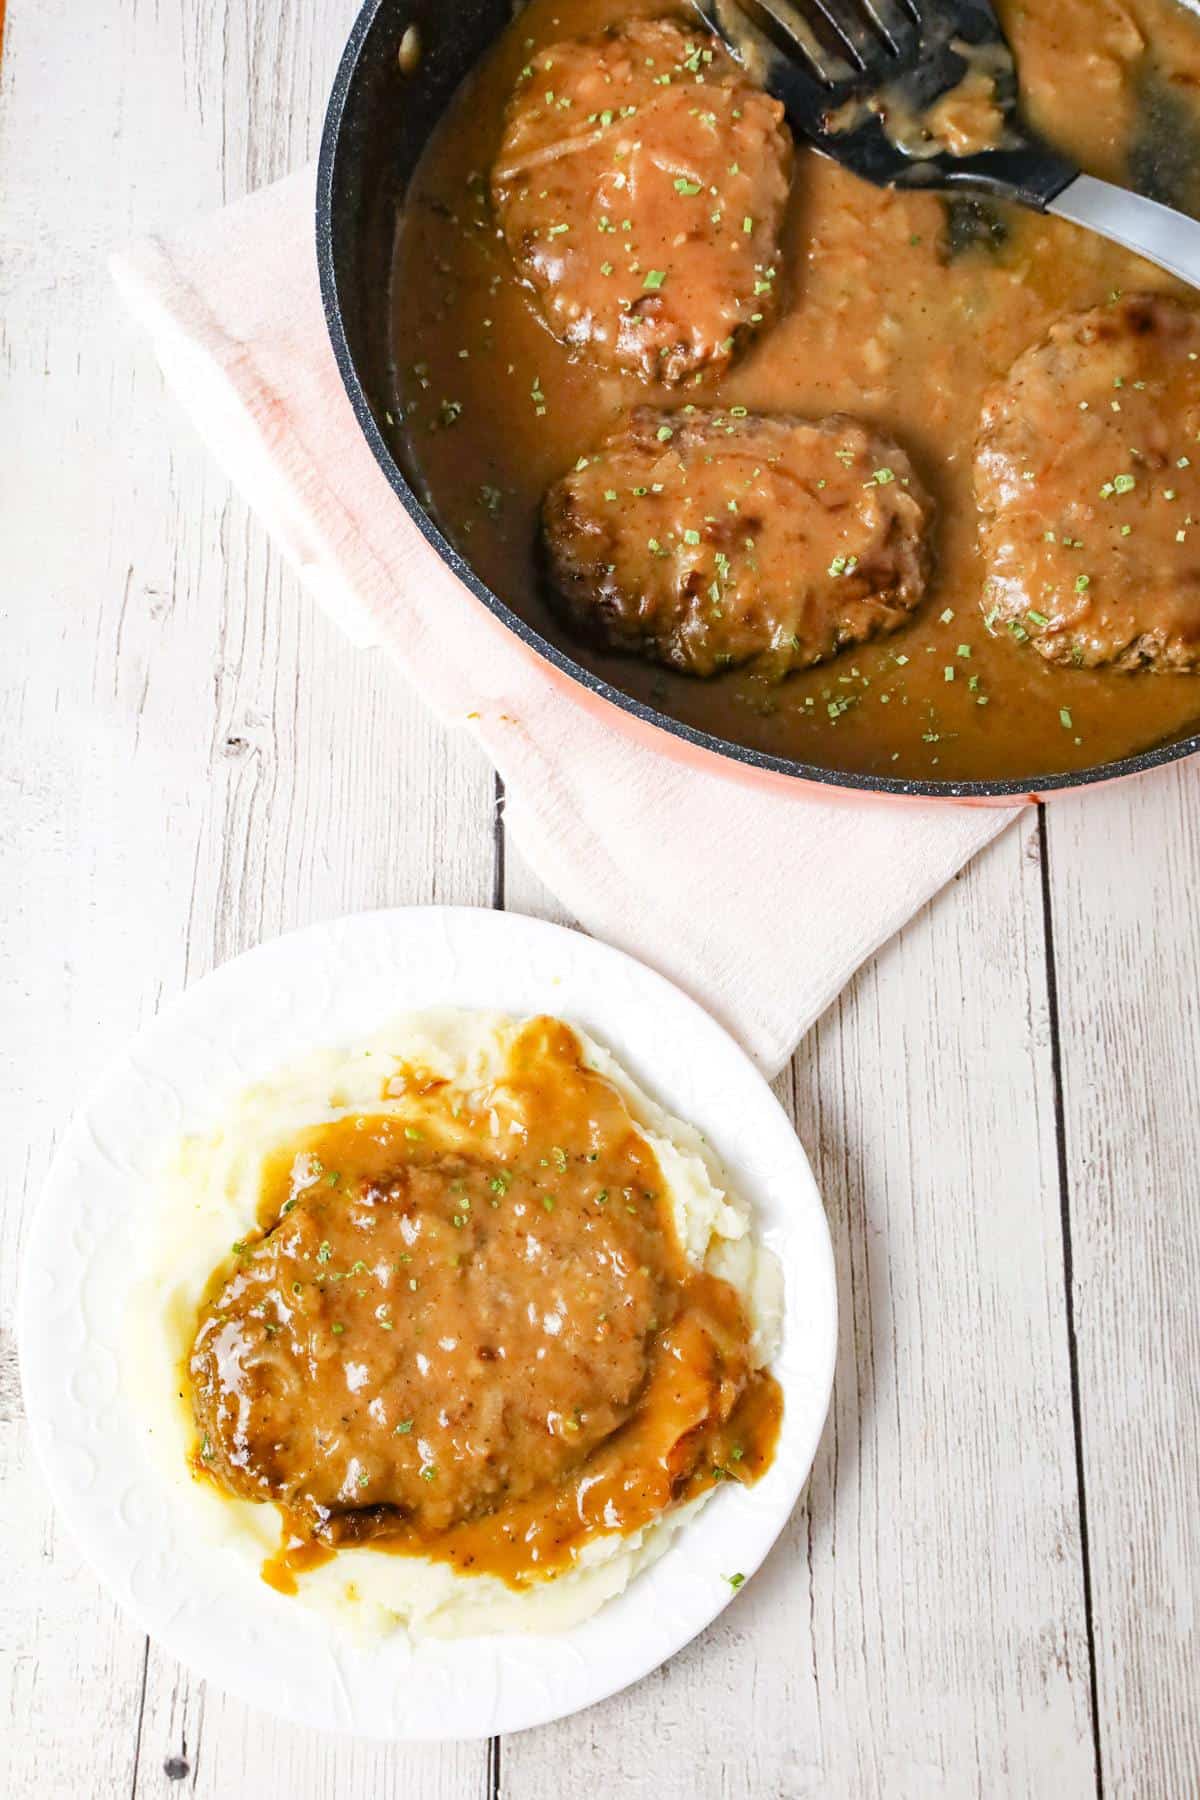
(376, 126)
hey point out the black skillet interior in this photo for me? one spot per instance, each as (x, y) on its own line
(378, 122)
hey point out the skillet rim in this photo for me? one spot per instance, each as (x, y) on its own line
(331, 227)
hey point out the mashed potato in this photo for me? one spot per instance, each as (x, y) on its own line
(210, 1190)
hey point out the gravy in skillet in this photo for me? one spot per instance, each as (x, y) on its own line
(899, 310)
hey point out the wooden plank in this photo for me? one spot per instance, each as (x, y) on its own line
(190, 759)
(303, 822)
(920, 1629)
(86, 818)
(1124, 873)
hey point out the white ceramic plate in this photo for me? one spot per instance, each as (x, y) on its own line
(316, 989)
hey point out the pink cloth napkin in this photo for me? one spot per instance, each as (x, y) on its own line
(760, 903)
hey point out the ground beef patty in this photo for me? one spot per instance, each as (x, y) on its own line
(1086, 475)
(641, 185)
(702, 539)
(379, 1357)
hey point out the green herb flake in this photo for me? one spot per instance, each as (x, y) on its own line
(654, 278)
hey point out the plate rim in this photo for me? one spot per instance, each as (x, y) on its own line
(87, 1531)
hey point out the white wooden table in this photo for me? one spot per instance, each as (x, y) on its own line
(991, 1587)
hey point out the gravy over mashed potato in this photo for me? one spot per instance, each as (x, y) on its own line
(468, 1314)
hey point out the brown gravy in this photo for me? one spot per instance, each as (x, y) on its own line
(486, 1349)
(890, 313)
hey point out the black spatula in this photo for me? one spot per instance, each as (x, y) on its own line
(866, 80)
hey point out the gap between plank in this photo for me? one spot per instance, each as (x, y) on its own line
(137, 1741)
(499, 870)
(1064, 1203)
(492, 1782)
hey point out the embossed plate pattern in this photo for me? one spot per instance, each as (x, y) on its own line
(316, 989)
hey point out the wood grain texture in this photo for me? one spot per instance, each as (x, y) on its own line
(919, 1630)
(190, 760)
(1123, 866)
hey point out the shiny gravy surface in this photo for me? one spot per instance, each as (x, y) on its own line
(895, 308)
(470, 1331)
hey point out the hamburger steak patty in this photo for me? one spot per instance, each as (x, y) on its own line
(1086, 475)
(641, 186)
(376, 1358)
(703, 540)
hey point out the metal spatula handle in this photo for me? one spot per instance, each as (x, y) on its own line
(786, 44)
(1160, 234)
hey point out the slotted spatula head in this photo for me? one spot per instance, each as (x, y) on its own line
(848, 70)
